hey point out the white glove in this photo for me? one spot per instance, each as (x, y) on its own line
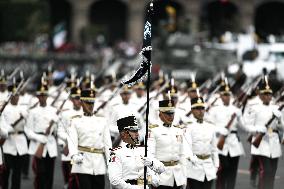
(277, 113)
(224, 131)
(78, 158)
(193, 160)
(147, 161)
(261, 129)
(155, 181)
(41, 138)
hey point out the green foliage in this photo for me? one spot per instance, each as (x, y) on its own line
(23, 21)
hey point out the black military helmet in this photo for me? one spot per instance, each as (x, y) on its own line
(128, 123)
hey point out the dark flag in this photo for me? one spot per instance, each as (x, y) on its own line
(146, 50)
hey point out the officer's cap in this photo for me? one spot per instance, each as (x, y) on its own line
(75, 92)
(192, 86)
(264, 87)
(126, 90)
(172, 90)
(197, 103)
(3, 79)
(88, 95)
(166, 106)
(12, 89)
(127, 123)
(42, 88)
(225, 90)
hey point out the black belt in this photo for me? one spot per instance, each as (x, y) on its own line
(236, 133)
(18, 132)
(40, 133)
(275, 131)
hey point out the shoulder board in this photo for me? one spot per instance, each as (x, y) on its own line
(76, 116)
(179, 126)
(114, 149)
(153, 126)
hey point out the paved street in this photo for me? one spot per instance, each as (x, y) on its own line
(242, 180)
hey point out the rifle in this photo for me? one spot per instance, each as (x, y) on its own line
(13, 73)
(2, 140)
(259, 136)
(10, 96)
(222, 138)
(153, 97)
(108, 100)
(40, 148)
(59, 91)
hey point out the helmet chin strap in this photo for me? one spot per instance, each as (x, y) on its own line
(135, 142)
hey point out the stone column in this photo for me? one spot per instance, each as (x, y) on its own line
(79, 19)
(246, 9)
(135, 25)
(192, 9)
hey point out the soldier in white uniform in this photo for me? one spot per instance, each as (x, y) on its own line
(126, 163)
(191, 93)
(15, 146)
(122, 109)
(254, 164)
(269, 149)
(3, 91)
(232, 150)
(40, 131)
(202, 152)
(63, 137)
(90, 138)
(167, 145)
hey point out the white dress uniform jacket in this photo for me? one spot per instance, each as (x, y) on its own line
(38, 121)
(90, 132)
(126, 163)
(202, 141)
(167, 144)
(16, 142)
(64, 123)
(270, 145)
(233, 145)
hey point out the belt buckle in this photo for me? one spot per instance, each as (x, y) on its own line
(92, 149)
(140, 181)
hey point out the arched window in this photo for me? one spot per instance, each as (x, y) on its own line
(220, 16)
(109, 18)
(268, 19)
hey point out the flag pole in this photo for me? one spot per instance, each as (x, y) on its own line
(150, 14)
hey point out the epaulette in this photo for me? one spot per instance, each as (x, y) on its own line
(152, 126)
(180, 126)
(76, 116)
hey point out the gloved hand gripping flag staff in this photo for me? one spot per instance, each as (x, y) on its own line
(145, 69)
